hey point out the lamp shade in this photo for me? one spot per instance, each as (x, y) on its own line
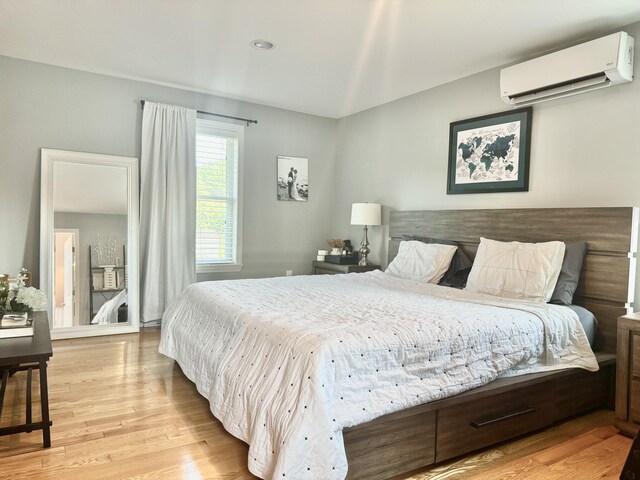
(366, 214)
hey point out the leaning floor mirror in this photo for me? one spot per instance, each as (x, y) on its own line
(89, 243)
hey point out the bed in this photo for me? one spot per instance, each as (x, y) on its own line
(369, 402)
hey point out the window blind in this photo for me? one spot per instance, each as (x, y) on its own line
(217, 206)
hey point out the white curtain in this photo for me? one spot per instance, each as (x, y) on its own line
(167, 206)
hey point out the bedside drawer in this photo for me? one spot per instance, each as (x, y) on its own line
(325, 271)
(634, 401)
(492, 419)
(326, 268)
(635, 355)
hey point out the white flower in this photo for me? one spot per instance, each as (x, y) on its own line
(22, 276)
(32, 298)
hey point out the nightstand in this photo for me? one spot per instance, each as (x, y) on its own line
(628, 374)
(326, 268)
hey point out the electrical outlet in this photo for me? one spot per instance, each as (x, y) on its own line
(289, 273)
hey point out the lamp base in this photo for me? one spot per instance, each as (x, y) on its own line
(364, 249)
(364, 253)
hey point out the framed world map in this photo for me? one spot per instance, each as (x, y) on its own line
(490, 153)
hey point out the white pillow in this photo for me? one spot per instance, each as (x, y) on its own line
(516, 270)
(423, 262)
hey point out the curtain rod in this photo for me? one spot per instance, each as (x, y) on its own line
(248, 120)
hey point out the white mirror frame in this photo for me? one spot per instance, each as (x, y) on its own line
(49, 158)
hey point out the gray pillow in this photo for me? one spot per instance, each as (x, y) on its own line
(569, 274)
(459, 268)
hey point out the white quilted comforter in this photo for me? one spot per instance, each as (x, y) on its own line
(287, 363)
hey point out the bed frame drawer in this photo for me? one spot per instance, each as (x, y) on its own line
(492, 419)
(384, 447)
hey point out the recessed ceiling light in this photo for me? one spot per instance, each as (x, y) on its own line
(262, 44)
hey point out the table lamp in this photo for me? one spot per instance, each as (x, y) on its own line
(365, 214)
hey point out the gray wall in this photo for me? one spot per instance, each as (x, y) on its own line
(90, 225)
(584, 152)
(53, 107)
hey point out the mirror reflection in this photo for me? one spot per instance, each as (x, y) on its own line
(90, 272)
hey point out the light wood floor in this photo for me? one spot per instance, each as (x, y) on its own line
(120, 410)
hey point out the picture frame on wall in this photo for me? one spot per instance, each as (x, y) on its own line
(490, 153)
(293, 179)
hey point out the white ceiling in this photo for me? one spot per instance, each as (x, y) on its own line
(85, 188)
(332, 57)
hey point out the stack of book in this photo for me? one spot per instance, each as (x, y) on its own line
(343, 259)
(16, 325)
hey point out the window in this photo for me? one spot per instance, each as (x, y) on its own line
(219, 148)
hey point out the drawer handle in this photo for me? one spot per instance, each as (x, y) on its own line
(491, 419)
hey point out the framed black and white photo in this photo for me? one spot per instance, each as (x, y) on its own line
(490, 153)
(293, 179)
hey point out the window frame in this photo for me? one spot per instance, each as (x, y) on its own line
(237, 265)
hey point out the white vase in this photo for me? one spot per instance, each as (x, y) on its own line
(336, 251)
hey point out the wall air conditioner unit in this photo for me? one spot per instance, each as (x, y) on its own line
(596, 64)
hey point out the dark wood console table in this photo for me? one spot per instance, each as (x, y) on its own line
(28, 353)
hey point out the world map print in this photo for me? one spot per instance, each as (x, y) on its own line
(488, 154)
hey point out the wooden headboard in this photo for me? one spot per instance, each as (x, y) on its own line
(607, 282)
